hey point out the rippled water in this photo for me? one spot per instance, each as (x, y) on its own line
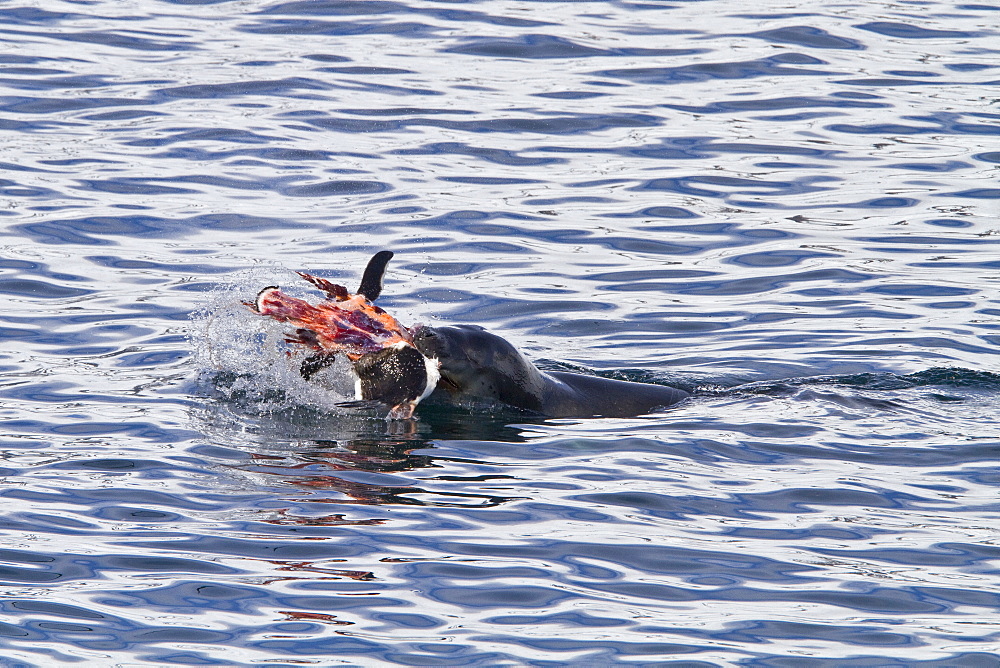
(788, 208)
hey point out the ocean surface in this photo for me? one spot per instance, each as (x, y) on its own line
(790, 209)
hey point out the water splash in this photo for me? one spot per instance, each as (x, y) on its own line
(244, 358)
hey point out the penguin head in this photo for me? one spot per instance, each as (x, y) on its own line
(398, 376)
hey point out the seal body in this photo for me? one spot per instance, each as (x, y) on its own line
(477, 365)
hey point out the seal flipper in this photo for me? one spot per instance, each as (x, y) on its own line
(371, 280)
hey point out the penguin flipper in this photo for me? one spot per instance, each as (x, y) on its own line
(371, 280)
(315, 363)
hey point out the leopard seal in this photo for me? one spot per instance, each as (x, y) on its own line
(467, 363)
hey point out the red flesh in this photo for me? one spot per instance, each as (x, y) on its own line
(349, 323)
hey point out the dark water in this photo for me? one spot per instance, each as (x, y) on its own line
(789, 208)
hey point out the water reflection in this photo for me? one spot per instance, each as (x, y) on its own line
(308, 471)
(352, 458)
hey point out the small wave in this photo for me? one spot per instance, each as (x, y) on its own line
(934, 377)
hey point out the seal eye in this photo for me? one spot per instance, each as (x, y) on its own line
(427, 341)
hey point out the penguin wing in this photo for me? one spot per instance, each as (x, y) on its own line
(371, 280)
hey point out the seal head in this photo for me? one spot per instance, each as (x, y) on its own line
(476, 365)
